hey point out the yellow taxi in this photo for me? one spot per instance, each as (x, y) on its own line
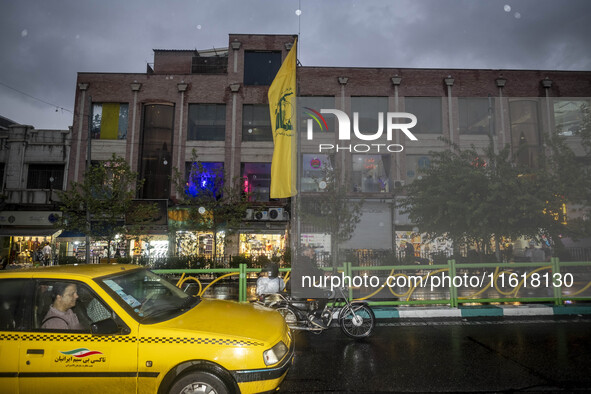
(110, 328)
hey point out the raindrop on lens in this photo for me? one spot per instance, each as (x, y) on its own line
(517, 15)
(507, 8)
(24, 33)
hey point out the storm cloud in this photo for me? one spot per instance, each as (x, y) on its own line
(45, 43)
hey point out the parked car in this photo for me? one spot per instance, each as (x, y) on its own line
(127, 330)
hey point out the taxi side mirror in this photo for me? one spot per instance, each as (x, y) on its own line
(105, 327)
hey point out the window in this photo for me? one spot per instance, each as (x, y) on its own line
(261, 67)
(207, 122)
(257, 180)
(11, 303)
(371, 173)
(415, 164)
(156, 166)
(109, 121)
(525, 138)
(256, 123)
(569, 116)
(428, 113)
(209, 64)
(368, 109)
(45, 176)
(314, 167)
(205, 178)
(316, 103)
(477, 115)
(1, 174)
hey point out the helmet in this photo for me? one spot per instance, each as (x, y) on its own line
(272, 270)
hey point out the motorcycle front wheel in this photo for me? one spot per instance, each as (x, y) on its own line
(357, 320)
(289, 314)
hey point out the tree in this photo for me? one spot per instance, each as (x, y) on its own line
(472, 196)
(107, 194)
(570, 175)
(213, 202)
(331, 211)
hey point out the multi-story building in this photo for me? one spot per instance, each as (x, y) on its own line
(214, 102)
(33, 166)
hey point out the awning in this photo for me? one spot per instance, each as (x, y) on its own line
(68, 236)
(27, 232)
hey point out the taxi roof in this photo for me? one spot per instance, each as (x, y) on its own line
(81, 270)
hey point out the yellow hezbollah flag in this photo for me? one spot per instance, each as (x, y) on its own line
(282, 102)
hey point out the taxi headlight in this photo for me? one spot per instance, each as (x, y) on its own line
(276, 353)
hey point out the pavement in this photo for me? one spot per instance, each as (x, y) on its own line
(414, 312)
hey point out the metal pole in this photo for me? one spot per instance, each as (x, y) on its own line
(88, 164)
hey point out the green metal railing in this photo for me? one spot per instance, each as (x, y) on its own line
(502, 282)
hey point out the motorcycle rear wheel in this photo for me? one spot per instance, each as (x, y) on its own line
(357, 320)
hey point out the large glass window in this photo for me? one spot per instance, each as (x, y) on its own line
(45, 176)
(569, 115)
(415, 164)
(477, 115)
(525, 137)
(109, 121)
(207, 122)
(368, 109)
(314, 168)
(204, 178)
(316, 103)
(261, 67)
(257, 180)
(256, 123)
(371, 173)
(155, 153)
(428, 113)
(11, 303)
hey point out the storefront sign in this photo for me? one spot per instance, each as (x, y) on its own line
(29, 218)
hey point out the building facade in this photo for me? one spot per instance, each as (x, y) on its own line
(33, 167)
(214, 103)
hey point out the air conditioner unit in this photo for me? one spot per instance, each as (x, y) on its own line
(277, 214)
(249, 214)
(261, 215)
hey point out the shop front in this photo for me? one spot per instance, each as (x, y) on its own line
(23, 234)
(269, 244)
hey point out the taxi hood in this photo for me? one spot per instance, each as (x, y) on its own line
(229, 318)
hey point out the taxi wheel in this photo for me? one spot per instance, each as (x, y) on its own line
(199, 382)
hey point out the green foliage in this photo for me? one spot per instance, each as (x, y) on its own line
(219, 206)
(473, 196)
(240, 259)
(331, 211)
(106, 194)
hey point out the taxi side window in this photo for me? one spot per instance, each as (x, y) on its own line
(11, 303)
(67, 305)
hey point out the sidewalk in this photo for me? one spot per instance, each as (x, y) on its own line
(384, 312)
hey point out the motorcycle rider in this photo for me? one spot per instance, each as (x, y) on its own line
(305, 265)
(270, 282)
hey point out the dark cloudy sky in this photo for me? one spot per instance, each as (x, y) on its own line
(44, 43)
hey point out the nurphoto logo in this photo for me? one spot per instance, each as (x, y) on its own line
(344, 130)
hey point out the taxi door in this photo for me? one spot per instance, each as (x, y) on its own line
(11, 315)
(58, 360)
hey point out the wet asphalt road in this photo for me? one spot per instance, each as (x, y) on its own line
(537, 354)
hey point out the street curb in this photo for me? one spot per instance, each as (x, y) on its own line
(382, 312)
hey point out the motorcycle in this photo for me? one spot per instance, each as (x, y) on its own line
(355, 318)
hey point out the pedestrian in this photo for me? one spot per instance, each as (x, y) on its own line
(47, 252)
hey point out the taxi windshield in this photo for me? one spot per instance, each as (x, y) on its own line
(146, 296)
